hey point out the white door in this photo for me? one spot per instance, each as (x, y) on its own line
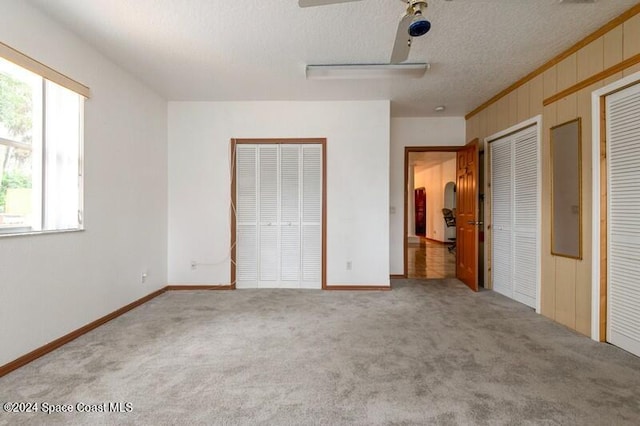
(515, 206)
(311, 216)
(501, 214)
(279, 216)
(623, 230)
(246, 211)
(526, 205)
(268, 224)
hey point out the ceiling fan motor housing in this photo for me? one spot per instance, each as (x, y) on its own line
(419, 25)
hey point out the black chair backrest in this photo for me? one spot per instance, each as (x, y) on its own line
(449, 217)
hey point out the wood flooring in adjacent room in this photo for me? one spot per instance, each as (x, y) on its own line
(430, 259)
(427, 352)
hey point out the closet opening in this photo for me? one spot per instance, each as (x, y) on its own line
(514, 212)
(278, 213)
(616, 226)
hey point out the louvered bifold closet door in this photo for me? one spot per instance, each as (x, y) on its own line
(525, 217)
(246, 216)
(290, 215)
(501, 216)
(623, 234)
(268, 252)
(311, 216)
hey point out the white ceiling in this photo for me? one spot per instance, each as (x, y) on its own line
(222, 50)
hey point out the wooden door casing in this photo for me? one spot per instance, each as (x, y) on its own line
(467, 215)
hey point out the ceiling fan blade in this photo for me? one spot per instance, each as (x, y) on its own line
(311, 3)
(402, 44)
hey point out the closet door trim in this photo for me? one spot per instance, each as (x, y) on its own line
(513, 131)
(232, 166)
(599, 204)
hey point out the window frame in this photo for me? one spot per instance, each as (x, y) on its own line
(46, 74)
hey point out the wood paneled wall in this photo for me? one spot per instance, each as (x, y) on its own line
(602, 58)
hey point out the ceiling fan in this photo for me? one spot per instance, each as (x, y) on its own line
(412, 24)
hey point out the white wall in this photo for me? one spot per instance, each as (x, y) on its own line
(449, 169)
(446, 131)
(357, 182)
(51, 285)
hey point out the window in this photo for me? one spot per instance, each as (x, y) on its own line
(40, 153)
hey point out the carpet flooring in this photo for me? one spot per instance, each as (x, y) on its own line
(428, 352)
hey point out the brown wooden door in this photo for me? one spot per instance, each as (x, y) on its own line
(467, 216)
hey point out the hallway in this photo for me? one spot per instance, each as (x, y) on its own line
(431, 260)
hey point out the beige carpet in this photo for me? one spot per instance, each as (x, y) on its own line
(428, 352)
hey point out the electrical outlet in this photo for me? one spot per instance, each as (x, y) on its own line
(143, 277)
(348, 265)
(194, 264)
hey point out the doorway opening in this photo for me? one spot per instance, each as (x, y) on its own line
(430, 195)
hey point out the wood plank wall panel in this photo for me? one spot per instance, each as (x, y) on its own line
(583, 268)
(567, 72)
(523, 102)
(483, 123)
(492, 119)
(548, 273)
(536, 96)
(472, 125)
(631, 37)
(550, 82)
(565, 291)
(567, 108)
(590, 59)
(566, 283)
(631, 70)
(513, 108)
(565, 269)
(613, 78)
(502, 114)
(631, 42)
(613, 53)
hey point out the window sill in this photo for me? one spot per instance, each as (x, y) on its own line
(31, 233)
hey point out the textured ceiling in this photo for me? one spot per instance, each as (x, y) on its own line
(220, 50)
(425, 160)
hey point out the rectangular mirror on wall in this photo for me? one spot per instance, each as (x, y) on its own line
(566, 189)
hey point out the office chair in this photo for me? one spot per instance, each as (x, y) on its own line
(450, 221)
